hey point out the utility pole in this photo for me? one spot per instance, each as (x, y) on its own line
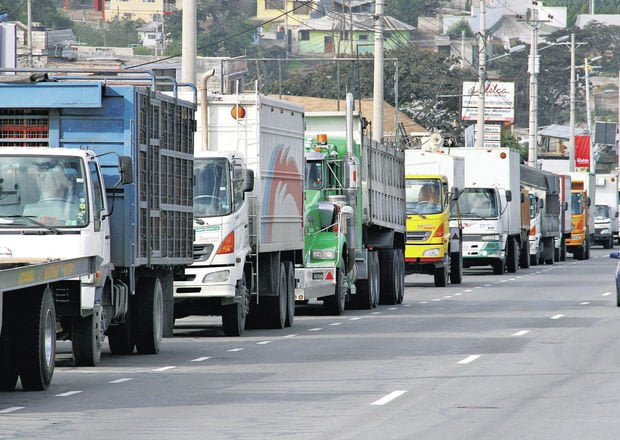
(482, 74)
(29, 12)
(377, 108)
(188, 57)
(571, 141)
(462, 50)
(534, 66)
(586, 68)
(591, 7)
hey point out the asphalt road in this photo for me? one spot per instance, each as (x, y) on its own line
(531, 355)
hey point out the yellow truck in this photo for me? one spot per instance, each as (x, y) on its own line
(582, 192)
(434, 233)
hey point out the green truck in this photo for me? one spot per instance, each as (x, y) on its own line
(354, 202)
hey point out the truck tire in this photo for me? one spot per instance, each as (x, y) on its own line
(233, 315)
(335, 303)
(608, 244)
(586, 253)
(400, 260)
(456, 268)
(562, 250)
(499, 267)
(8, 364)
(512, 259)
(524, 255)
(366, 295)
(273, 308)
(440, 274)
(37, 339)
(376, 279)
(87, 338)
(390, 277)
(290, 294)
(148, 315)
(579, 253)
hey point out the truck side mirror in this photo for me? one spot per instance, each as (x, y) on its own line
(522, 197)
(565, 206)
(616, 214)
(248, 181)
(125, 165)
(508, 195)
(541, 203)
(589, 201)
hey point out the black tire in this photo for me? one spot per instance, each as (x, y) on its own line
(37, 339)
(389, 277)
(534, 260)
(120, 336)
(365, 295)
(609, 243)
(87, 338)
(400, 259)
(562, 250)
(335, 304)
(376, 280)
(440, 274)
(524, 256)
(456, 268)
(499, 267)
(586, 254)
(234, 315)
(8, 364)
(556, 254)
(148, 315)
(579, 253)
(512, 259)
(274, 307)
(290, 294)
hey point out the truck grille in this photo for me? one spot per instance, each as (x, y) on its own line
(418, 235)
(202, 252)
(472, 237)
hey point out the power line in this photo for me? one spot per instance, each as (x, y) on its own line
(230, 37)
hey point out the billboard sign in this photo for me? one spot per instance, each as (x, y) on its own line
(499, 100)
(582, 152)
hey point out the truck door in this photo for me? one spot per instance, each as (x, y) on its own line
(101, 238)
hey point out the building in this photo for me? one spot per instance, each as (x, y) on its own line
(145, 10)
(342, 34)
(151, 36)
(270, 9)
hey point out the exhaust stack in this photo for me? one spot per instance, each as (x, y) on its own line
(204, 109)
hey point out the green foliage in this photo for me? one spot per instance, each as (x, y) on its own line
(576, 7)
(217, 20)
(141, 50)
(116, 33)
(409, 10)
(88, 34)
(457, 29)
(43, 11)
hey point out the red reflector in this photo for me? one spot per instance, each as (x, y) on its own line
(329, 276)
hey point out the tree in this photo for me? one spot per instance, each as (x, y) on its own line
(116, 33)
(457, 29)
(43, 11)
(576, 7)
(409, 10)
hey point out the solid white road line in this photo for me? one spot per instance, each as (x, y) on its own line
(169, 367)
(336, 323)
(558, 316)
(469, 359)
(388, 398)
(315, 329)
(201, 359)
(68, 393)
(11, 409)
(124, 379)
(585, 303)
(521, 333)
(233, 350)
(264, 342)
(606, 294)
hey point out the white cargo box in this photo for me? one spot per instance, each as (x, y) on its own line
(425, 162)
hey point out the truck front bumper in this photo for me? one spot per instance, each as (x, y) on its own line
(194, 286)
(314, 282)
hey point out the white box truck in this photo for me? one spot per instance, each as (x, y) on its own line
(606, 210)
(248, 212)
(490, 208)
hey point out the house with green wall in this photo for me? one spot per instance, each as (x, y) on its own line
(348, 34)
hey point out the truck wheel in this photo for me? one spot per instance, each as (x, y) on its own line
(556, 254)
(86, 338)
(8, 366)
(440, 274)
(586, 253)
(366, 295)
(37, 337)
(274, 307)
(579, 253)
(120, 336)
(148, 315)
(608, 244)
(401, 276)
(499, 267)
(562, 250)
(524, 256)
(376, 279)
(233, 315)
(389, 277)
(335, 303)
(456, 268)
(512, 259)
(290, 294)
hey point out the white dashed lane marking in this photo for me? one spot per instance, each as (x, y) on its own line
(68, 393)
(11, 409)
(521, 333)
(469, 359)
(585, 303)
(336, 323)
(291, 336)
(122, 380)
(388, 398)
(606, 294)
(232, 350)
(558, 316)
(201, 359)
(263, 342)
(316, 329)
(357, 318)
(169, 367)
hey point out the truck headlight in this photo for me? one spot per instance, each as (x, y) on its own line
(431, 253)
(216, 277)
(323, 255)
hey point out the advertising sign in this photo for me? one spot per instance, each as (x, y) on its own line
(499, 101)
(582, 151)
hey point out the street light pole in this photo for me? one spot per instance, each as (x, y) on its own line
(377, 109)
(533, 71)
(481, 76)
(571, 141)
(586, 68)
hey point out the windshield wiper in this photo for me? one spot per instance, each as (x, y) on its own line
(417, 213)
(31, 219)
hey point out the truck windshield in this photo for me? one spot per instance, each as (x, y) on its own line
(602, 211)
(576, 202)
(212, 193)
(478, 203)
(314, 175)
(42, 190)
(423, 196)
